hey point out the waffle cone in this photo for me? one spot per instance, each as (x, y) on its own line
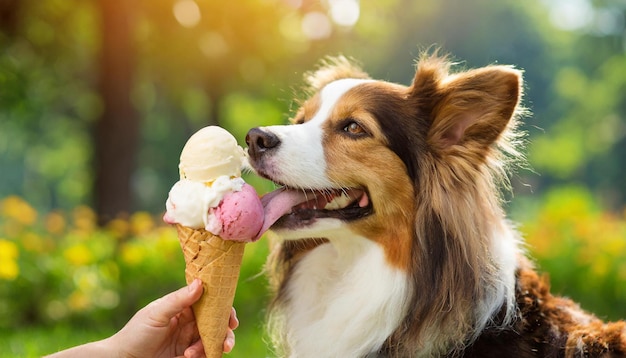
(217, 263)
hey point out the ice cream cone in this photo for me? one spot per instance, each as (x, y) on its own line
(217, 263)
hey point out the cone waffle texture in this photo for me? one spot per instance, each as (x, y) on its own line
(217, 263)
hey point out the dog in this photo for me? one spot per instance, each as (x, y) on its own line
(393, 241)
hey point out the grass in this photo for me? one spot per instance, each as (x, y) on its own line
(39, 340)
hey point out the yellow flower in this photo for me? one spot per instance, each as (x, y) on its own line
(615, 246)
(8, 250)
(55, 223)
(78, 255)
(165, 241)
(84, 218)
(19, 210)
(132, 254)
(32, 242)
(78, 301)
(540, 240)
(141, 223)
(9, 269)
(118, 227)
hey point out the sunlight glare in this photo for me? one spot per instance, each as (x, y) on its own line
(187, 13)
(290, 27)
(316, 26)
(294, 3)
(570, 14)
(344, 12)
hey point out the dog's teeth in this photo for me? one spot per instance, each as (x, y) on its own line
(338, 202)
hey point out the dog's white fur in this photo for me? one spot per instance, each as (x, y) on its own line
(346, 295)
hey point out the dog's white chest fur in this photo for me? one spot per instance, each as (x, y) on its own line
(347, 298)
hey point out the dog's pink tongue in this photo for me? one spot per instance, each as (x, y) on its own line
(278, 203)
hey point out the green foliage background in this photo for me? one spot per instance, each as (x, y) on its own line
(240, 67)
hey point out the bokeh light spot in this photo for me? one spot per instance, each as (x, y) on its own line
(316, 26)
(571, 14)
(294, 3)
(187, 13)
(213, 45)
(345, 12)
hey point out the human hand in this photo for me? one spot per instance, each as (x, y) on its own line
(167, 328)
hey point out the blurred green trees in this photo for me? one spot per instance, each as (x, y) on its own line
(238, 65)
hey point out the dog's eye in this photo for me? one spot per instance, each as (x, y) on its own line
(353, 128)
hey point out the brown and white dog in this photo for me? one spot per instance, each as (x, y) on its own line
(394, 242)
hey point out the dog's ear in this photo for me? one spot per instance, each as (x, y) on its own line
(471, 109)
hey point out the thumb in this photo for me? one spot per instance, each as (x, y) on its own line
(168, 306)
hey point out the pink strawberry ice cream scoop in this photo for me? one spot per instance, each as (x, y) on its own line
(240, 215)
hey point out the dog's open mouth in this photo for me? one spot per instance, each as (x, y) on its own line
(293, 208)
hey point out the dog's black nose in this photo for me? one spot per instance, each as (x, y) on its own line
(260, 142)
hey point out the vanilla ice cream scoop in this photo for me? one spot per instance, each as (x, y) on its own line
(210, 153)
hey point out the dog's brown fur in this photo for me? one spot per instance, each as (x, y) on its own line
(464, 128)
(549, 326)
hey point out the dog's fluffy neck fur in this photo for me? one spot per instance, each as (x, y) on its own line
(344, 291)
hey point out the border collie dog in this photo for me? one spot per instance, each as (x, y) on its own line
(392, 239)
